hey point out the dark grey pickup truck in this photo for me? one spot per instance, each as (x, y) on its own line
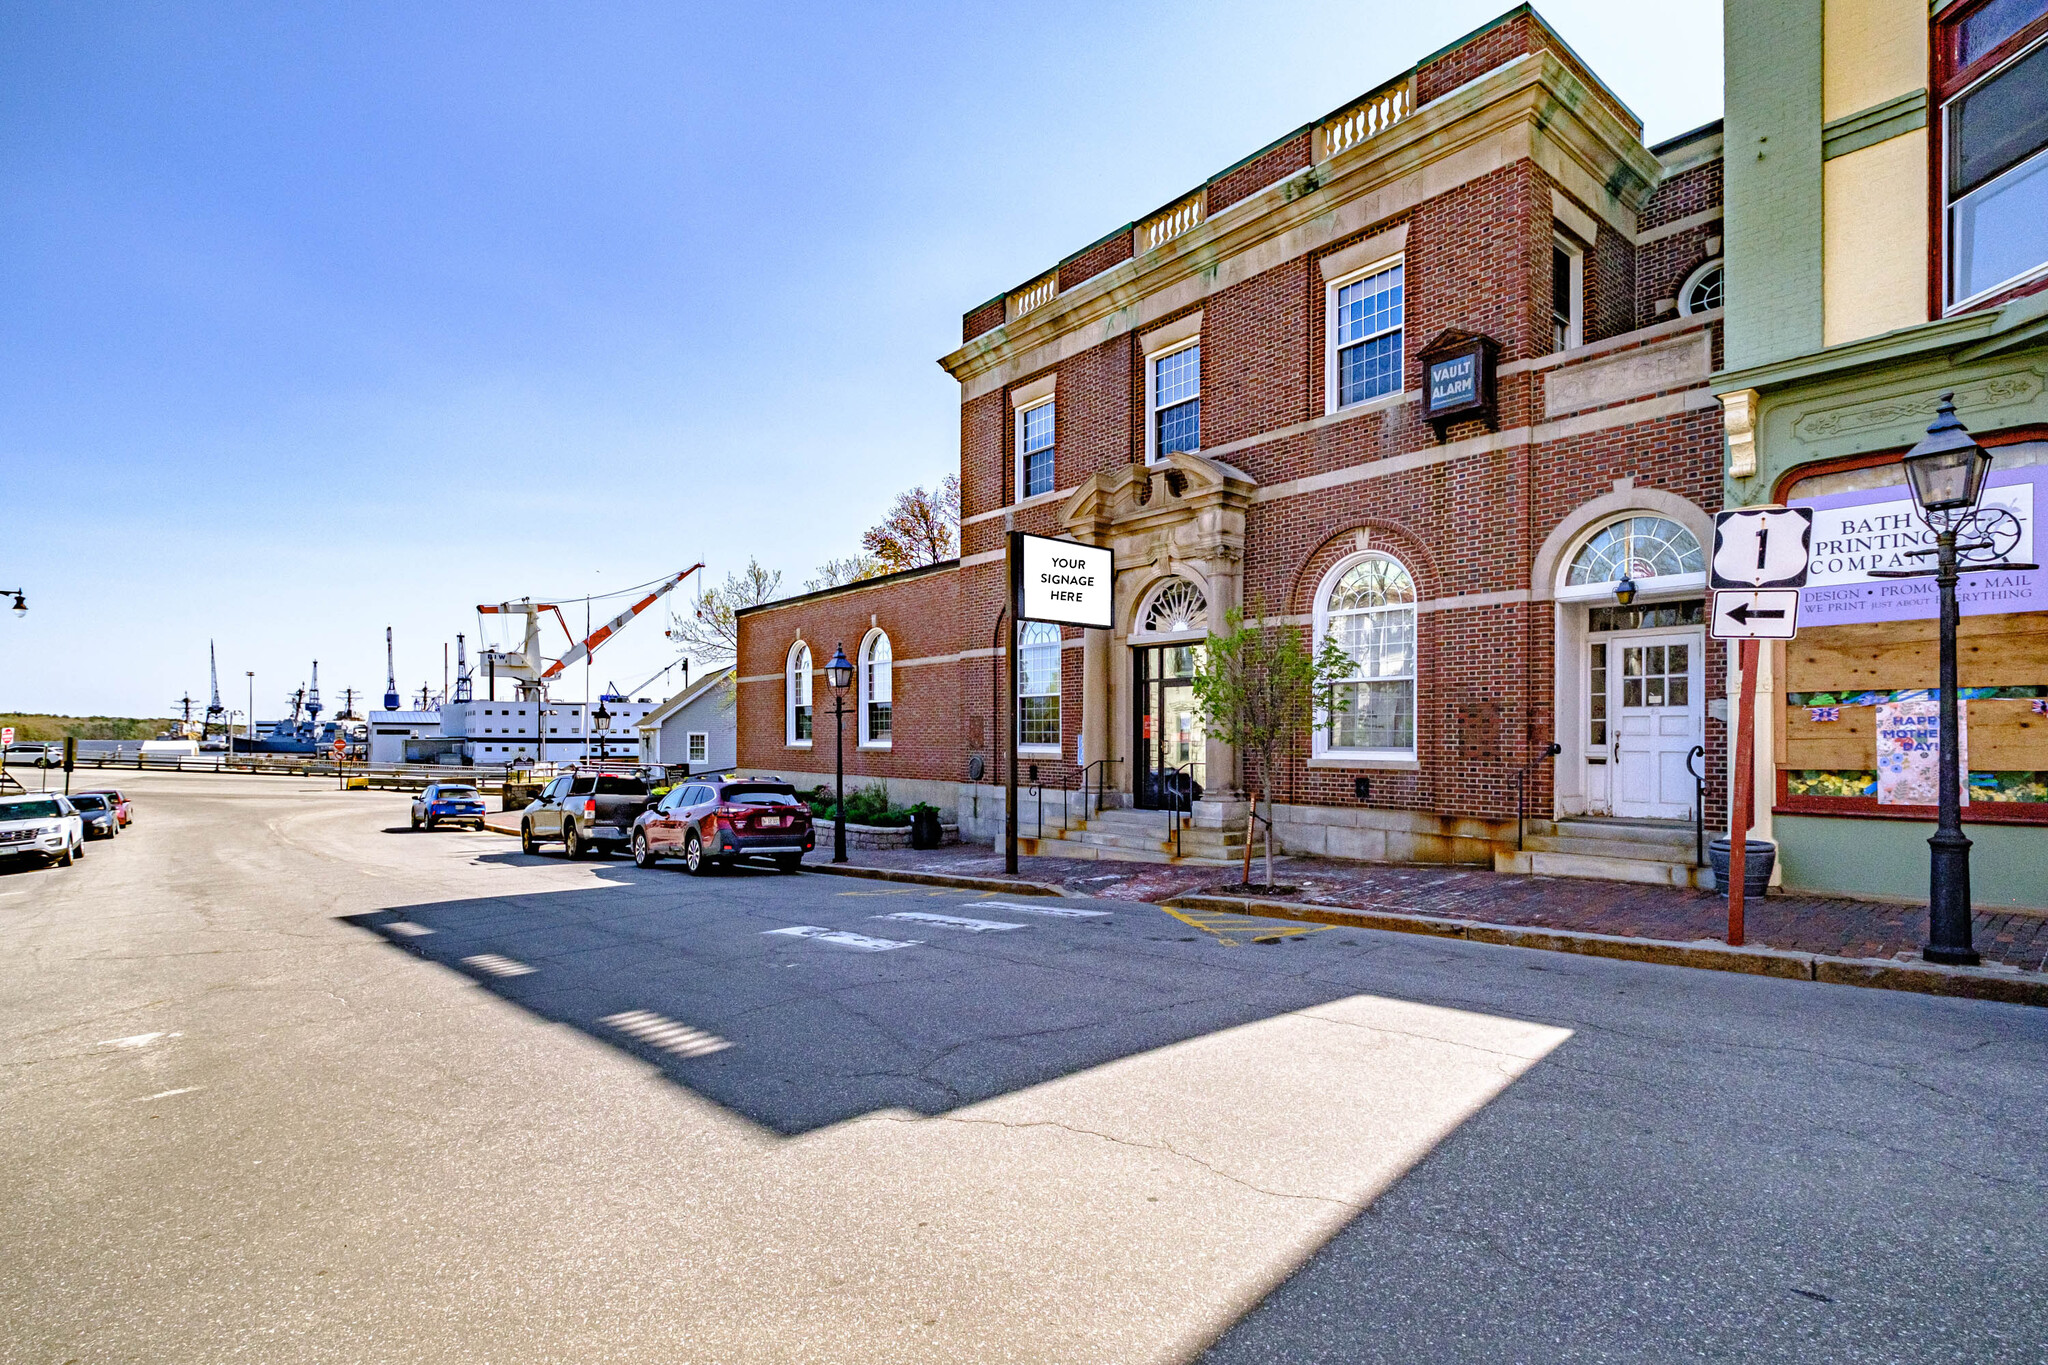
(585, 811)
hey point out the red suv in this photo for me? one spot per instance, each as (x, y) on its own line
(717, 821)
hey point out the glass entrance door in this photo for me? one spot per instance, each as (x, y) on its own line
(1168, 736)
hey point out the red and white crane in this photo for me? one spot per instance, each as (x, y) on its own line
(526, 666)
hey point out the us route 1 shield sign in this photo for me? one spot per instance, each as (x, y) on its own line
(1764, 547)
(1755, 614)
(1065, 582)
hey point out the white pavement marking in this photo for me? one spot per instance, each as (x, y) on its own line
(846, 940)
(1055, 909)
(408, 928)
(972, 926)
(657, 1030)
(497, 964)
(166, 1094)
(138, 1040)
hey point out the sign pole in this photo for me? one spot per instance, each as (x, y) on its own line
(1743, 778)
(1009, 724)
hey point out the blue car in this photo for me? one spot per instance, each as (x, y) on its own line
(448, 803)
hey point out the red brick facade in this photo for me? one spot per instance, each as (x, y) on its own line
(1483, 513)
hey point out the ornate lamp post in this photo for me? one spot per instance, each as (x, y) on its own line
(839, 673)
(602, 719)
(1947, 472)
(20, 601)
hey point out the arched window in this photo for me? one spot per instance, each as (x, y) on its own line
(1642, 547)
(1703, 289)
(1367, 607)
(796, 692)
(1176, 606)
(1038, 686)
(877, 690)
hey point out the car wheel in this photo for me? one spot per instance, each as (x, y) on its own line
(526, 843)
(693, 856)
(430, 823)
(65, 858)
(789, 862)
(643, 852)
(572, 843)
(415, 822)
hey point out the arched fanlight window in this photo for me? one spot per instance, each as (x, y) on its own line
(1176, 607)
(877, 690)
(1705, 288)
(1640, 548)
(1038, 686)
(1367, 607)
(797, 695)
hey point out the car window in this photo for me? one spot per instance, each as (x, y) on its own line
(762, 795)
(555, 789)
(609, 785)
(29, 810)
(451, 793)
(699, 795)
(84, 802)
(583, 786)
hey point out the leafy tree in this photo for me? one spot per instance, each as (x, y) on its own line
(837, 573)
(922, 528)
(1258, 687)
(710, 633)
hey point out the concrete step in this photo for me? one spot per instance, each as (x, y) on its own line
(1069, 848)
(1673, 834)
(1533, 862)
(1610, 848)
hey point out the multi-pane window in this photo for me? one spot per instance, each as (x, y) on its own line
(877, 690)
(1370, 614)
(1994, 88)
(1636, 548)
(1366, 319)
(1655, 675)
(1566, 278)
(700, 746)
(797, 688)
(1177, 401)
(1704, 290)
(1038, 686)
(1596, 697)
(1035, 447)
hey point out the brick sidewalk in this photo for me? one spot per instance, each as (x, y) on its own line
(1807, 924)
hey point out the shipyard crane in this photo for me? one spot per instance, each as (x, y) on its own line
(525, 665)
(462, 687)
(392, 701)
(214, 709)
(628, 695)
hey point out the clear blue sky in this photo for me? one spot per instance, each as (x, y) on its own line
(315, 319)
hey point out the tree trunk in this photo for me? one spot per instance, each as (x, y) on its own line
(1266, 790)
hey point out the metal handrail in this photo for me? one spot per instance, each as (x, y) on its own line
(1550, 751)
(1699, 805)
(1081, 784)
(1174, 811)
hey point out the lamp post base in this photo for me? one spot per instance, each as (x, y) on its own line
(1948, 901)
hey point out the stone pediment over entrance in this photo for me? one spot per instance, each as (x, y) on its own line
(1172, 492)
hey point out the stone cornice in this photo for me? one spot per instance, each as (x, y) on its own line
(1532, 108)
(1972, 334)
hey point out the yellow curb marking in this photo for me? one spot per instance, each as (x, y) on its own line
(1230, 928)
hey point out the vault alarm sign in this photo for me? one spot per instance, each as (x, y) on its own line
(1062, 581)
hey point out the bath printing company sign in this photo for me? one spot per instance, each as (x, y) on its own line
(1854, 533)
(1063, 582)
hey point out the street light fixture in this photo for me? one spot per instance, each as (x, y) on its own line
(1625, 590)
(1946, 472)
(602, 719)
(20, 600)
(839, 673)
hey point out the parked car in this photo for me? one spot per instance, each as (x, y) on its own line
(585, 810)
(124, 809)
(96, 813)
(448, 803)
(33, 755)
(717, 822)
(41, 826)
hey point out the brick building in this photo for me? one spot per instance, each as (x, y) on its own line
(1229, 392)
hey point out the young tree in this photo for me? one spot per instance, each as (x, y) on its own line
(1258, 687)
(710, 633)
(922, 528)
(837, 573)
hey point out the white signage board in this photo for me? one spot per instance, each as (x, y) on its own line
(1755, 614)
(1065, 583)
(1858, 532)
(1767, 547)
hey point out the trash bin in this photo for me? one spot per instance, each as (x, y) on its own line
(1759, 857)
(924, 829)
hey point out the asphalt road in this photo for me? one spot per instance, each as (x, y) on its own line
(283, 1081)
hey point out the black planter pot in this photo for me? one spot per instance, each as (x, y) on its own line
(924, 829)
(1759, 858)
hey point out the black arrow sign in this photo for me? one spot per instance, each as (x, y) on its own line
(1741, 613)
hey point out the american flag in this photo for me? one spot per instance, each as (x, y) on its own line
(1818, 713)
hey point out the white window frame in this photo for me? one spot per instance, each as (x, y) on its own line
(697, 746)
(1946, 206)
(1320, 745)
(1058, 668)
(1575, 330)
(1685, 308)
(1152, 455)
(863, 672)
(799, 688)
(1331, 348)
(1053, 449)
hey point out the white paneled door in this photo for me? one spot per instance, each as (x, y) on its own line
(1655, 698)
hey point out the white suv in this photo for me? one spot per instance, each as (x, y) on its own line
(34, 755)
(45, 826)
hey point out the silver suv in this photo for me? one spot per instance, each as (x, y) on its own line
(44, 826)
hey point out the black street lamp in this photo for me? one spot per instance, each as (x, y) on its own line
(20, 600)
(1625, 590)
(1947, 472)
(602, 719)
(839, 673)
